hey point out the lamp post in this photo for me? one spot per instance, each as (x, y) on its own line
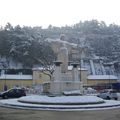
(110, 83)
(5, 86)
(109, 76)
(79, 51)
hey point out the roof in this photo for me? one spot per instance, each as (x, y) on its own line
(102, 77)
(71, 67)
(16, 77)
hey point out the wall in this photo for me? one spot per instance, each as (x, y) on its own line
(12, 83)
(39, 77)
(84, 77)
(97, 82)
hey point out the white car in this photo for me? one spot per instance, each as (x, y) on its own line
(111, 94)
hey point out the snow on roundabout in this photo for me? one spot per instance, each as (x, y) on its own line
(60, 103)
(61, 100)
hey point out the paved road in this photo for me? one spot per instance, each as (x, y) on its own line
(17, 114)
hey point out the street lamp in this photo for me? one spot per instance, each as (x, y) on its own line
(5, 86)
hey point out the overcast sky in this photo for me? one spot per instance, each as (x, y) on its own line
(58, 12)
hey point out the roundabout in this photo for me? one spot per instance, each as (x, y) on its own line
(60, 103)
(65, 91)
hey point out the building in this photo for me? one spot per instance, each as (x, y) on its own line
(37, 77)
(15, 77)
(101, 81)
(92, 72)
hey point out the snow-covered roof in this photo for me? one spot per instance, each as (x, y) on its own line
(71, 67)
(38, 68)
(16, 77)
(103, 77)
(82, 69)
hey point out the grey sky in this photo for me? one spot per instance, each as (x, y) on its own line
(58, 12)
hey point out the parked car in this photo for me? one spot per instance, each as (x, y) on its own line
(13, 93)
(110, 94)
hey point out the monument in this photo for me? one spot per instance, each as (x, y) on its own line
(64, 80)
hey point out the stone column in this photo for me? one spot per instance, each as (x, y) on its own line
(55, 85)
(75, 72)
(63, 57)
(82, 63)
(57, 73)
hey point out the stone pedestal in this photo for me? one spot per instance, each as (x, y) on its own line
(60, 87)
(57, 72)
(64, 80)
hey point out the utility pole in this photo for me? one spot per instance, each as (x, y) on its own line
(79, 51)
(5, 85)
